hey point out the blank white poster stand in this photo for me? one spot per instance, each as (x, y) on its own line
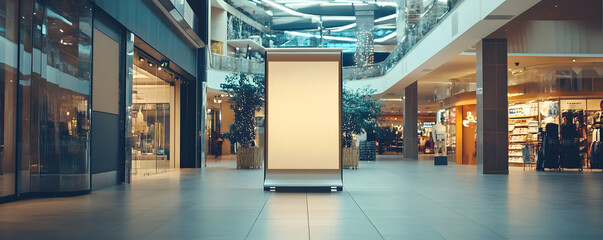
(303, 119)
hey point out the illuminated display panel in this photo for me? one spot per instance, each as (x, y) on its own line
(303, 111)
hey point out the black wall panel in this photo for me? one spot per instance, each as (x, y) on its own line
(104, 142)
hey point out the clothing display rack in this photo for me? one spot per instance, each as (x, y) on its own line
(549, 151)
(596, 148)
(569, 156)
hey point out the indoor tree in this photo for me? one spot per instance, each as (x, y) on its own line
(246, 93)
(359, 112)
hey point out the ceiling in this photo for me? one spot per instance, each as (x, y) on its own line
(303, 18)
(305, 14)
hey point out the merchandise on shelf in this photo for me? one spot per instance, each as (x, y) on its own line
(523, 110)
(515, 147)
(523, 129)
(514, 159)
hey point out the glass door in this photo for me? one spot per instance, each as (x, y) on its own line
(152, 118)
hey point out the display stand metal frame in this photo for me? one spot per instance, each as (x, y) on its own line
(303, 179)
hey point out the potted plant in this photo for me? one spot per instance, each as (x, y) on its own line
(359, 114)
(246, 93)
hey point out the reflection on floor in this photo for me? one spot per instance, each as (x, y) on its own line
(222, 162)
(388, 199)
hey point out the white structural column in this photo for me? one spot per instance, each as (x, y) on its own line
(411, 138)
(492, 105)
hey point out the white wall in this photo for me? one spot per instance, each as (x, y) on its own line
(215, 78)
(219, 21)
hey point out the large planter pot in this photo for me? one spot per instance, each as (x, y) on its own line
(250, 157)
(350, 157)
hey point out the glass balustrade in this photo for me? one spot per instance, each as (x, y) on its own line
(242, 65)
(417, 28)
(414, 33)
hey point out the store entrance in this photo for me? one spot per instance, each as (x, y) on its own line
(154, 105)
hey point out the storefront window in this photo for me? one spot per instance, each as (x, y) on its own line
(576, 120)
(152, 118)
(8, 89)
(450, 122)
(54, 97)
(523, 126)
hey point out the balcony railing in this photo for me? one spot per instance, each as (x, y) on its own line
(415, 32)
(241, 65)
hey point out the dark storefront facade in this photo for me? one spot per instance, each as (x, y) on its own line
(89, 89)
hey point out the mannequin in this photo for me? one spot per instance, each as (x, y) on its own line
(440, 138)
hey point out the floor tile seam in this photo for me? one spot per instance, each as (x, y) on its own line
(461, 214)
(434, 230)
(308, 218)
(258, 216)
(158, 227)
(367, 218)
(115, 224)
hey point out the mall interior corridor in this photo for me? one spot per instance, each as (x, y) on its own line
(387, 199)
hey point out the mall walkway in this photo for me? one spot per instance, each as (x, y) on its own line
(387, 199)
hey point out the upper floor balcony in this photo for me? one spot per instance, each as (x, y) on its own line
(418, 22)
(432, 34)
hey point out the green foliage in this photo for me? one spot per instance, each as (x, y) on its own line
(246, 93)
(359, 112)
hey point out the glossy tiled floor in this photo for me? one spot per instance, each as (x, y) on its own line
(387, 199)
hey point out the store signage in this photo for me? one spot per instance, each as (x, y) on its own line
(574, 104)
(470, 119)
(164, 63)
(428, 125)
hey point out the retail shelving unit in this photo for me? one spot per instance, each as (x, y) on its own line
(523, 129)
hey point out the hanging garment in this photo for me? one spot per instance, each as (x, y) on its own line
(550, 147)
(596, 161)
(570, 151)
